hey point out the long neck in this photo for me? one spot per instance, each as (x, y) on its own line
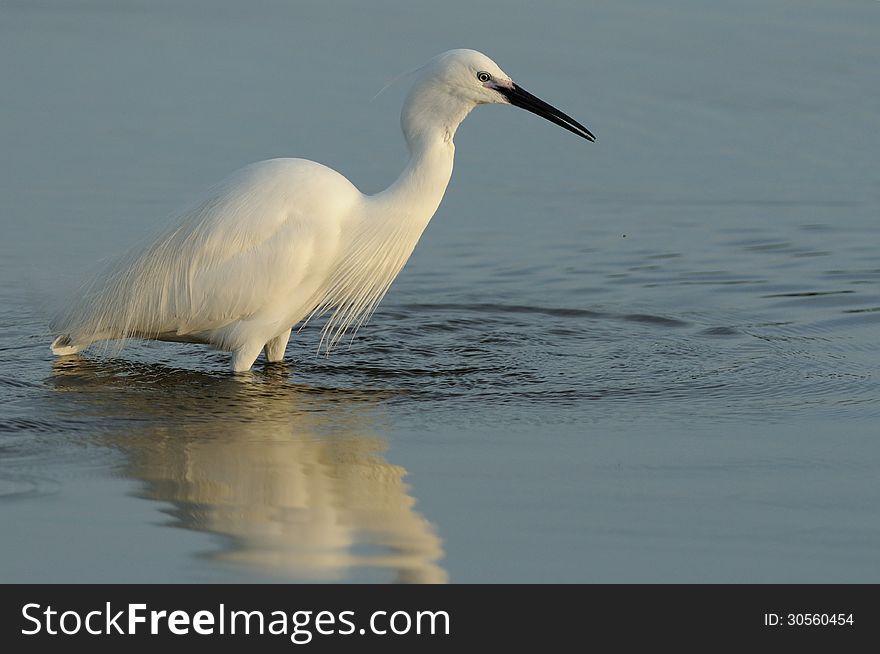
(390, 223)
(418, 191)
(429, 120)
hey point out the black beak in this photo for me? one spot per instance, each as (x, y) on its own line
(519, 97)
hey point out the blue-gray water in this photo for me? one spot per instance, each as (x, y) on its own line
(653, 358)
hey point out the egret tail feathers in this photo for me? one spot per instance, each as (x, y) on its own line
(62, 346)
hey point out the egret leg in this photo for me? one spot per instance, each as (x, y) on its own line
(275, 348)
(244, 357)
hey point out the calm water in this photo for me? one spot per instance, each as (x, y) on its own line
(654, 358)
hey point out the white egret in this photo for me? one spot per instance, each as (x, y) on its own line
(284, 240)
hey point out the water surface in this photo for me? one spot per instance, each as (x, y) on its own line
(653, 358)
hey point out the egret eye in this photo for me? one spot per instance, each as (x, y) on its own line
(483, 76)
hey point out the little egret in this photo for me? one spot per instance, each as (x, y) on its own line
(284, 240)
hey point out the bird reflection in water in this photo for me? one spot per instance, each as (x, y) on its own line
(289, 475)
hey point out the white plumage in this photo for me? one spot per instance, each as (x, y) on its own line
(283, 240)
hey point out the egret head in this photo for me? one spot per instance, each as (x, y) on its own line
(470, 78)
